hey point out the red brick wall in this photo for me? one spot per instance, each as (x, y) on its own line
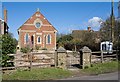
(49, 46)
(46, 29)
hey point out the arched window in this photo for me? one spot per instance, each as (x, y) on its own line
(26, 38)
(39, 40)
(48, 39)
(32, 39)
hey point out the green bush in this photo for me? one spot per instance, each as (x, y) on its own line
(37, 47)
(86, 67)
(8, 46)
(4, 60)
(25, 49)
(44, 49)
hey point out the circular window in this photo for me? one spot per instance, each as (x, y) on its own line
(38, 24)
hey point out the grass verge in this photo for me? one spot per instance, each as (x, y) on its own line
(102, 68)
(38, 74)
(56, 73)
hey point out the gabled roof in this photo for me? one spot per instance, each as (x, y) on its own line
(1, 19)
(81, 33)
(33, 18)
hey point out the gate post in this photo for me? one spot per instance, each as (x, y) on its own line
(61, 58)
(85, 57)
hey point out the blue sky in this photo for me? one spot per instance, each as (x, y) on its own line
(64, 16)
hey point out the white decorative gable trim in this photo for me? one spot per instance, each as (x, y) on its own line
(34, 24)
(29, 24)
(38, 20)
(46, 25)
(27, 31)
(37, 15)
(38, 33)
(49, 31)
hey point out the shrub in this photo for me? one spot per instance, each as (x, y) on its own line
(37, 47)
(86, 67)
(44, 49)
(8, 46)
(25, 49)
(4, 60)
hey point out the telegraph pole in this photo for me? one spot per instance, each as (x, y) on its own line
(112, 21)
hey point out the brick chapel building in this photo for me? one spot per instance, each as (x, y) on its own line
(37, 31)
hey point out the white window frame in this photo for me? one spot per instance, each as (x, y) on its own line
(47, 39)
(25, 38)
(38, 20)
(40, 40)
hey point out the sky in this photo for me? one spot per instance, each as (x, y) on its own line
(64, 16)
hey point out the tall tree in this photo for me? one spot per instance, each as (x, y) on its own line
(8, 47)
(64, 39)
(105, 31)
(8, 44)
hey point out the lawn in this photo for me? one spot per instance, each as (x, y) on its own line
(56, 73)
(102, 68)
(38, 74)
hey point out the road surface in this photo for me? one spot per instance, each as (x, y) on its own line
(108, 76)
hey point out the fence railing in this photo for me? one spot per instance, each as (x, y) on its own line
(104, 57)
(33, 59)
(47, 59)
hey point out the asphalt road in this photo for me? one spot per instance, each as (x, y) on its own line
(108, 76)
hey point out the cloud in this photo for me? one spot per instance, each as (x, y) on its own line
(95, 23)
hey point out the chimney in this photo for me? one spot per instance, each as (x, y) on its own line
(5, 15)
(89, 28)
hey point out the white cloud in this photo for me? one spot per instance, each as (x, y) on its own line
(95, 23)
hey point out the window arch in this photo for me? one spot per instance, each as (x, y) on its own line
(26, 38)
(48, 39)
(39, 40)
(32, 39)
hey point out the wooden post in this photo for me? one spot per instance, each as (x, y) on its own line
(55, 58)
(90, 58)
(101, 56)
(30, 61)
